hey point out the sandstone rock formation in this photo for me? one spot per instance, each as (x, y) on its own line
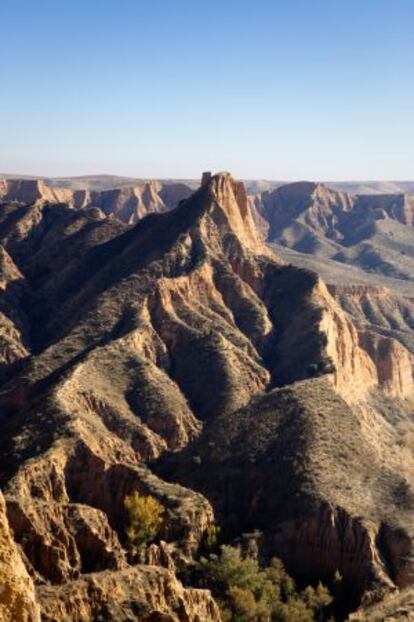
(295, 210)
(374, 232)
(17, 593)
(143, 593)
(129, 204)
(182, 349)
(395, 607)
(14, 324)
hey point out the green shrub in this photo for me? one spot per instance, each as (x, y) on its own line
(211, 537)
(248, 593)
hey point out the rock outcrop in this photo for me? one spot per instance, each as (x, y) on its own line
(17, 592)
(304, 206)
(396, 606)
(129, 204)
(373, 232)
(295, 210)
(143, 593)
(182, 349)
(14, 322)
(384, 321)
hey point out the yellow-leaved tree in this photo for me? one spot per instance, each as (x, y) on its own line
(145, 517)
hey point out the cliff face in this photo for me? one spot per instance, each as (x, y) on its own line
(14, 323)
(17, 592)
(398, 207)
(395, 606)
(143, 593)
(356, 371)
(372, 232)
(384, 322)
(129, 204)
(147, 348)
(304, 205)
(335, 215)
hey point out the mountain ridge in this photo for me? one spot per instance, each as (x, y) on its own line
(185, 337)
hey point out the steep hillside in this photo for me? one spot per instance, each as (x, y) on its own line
(181, 358)
(319, 479)
(381, 308)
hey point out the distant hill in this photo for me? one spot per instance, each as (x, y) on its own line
(254, 186)
(373, 232)
(127, 202)
(372, 187)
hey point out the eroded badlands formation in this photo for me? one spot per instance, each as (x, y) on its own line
(129, 204)
(182, 358)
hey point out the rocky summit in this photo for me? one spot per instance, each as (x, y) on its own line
(181, 357)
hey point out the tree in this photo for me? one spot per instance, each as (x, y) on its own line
(247, 592)
(145, 517)
(317, 598)
(211, 537)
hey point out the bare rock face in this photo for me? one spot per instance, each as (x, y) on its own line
(355, 372)
(372, 232)
(295, 210)
(143, 593)
(133, 203)
(182, 349)
(14, 323)
(129, 204)
(232, 200)
(67, 512)
(394, 363)
(292, 209)
(17, 593)
(398, 207)
(384, 321)
(397, 605)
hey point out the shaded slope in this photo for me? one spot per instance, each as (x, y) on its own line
(317, 478)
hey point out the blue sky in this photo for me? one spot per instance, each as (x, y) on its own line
(288, 89)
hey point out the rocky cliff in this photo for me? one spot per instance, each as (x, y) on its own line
(17, 592)
(180, 357)
(373, 232)
(298, 210)
(144, 593)
(129, 203)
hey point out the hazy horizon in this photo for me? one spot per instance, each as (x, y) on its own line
(22, 175)
(266, 90)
